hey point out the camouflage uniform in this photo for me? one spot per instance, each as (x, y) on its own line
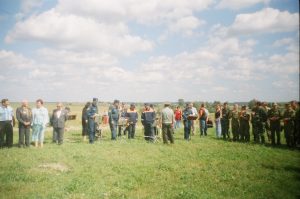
(259, 119)
(289, 124)
(235, 125)
(267, 124)
(244, 126)
(225, 123)
(274, 117)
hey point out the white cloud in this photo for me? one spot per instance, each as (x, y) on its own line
(148, 12)
(76, 32)
(186, 25)
(268, 20)
(26, 7)
(238, 4)
(9, 59)
(283, 42)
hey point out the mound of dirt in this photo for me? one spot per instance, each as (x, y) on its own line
(55, 167)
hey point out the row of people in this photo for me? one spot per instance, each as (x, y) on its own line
(35, 119)
(264, 120)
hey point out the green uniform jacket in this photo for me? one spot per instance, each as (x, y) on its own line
(274, 116)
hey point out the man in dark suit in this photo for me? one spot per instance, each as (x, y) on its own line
(58, 119)
(24, 117)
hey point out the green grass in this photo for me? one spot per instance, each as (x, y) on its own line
(201, 168)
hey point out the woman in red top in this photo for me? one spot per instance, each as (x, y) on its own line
(178, 116)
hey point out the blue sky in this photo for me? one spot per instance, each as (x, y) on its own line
(198, 50)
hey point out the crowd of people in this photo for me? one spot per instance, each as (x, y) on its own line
(233, 125)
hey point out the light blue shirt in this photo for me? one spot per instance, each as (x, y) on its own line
(6, 113)
(40, 116)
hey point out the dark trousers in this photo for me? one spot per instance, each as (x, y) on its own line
(289, 136)
(258, 130)
(245, 134)
(235, 128)
(113, 128)
(187, 129)
(167, 131)
(203, 127)
(275, 130)
(6, 134)
(84, 129)
(149, 132)
(24, 132)
(131, 131)
(59, 132)
(122, 128)
(225, 129)
(91, 129)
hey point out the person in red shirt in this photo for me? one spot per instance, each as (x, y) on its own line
(178, 117)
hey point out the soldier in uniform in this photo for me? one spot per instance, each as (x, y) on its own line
(244, 119)
(267, 124)
(274, 117)
(235, 125)
(225, 121)
(121, 125)
(148, 118)
(288, 119)
(113, 119)
(132, 117)
(186, 122)
(259, 118)
(91, 114)
(84, 121)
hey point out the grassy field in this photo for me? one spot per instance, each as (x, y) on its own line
(202, 168)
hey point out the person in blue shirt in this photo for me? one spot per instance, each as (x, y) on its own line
(40, 119)
(6, 124)
(113, 115)
(148, 118)
(132, 117)
(186, 121)
(91, 114)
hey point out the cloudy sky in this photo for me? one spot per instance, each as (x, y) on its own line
(154, 50)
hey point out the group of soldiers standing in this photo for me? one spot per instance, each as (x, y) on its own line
(264, 120)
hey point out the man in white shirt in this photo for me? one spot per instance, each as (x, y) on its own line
(6, 124)
(195, 113)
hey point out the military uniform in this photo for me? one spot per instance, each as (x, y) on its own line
(244, 119)
(259, 119)
(113, 115)
(267, 124)
(225, 123)
(235, 125)
(122, 128)
(274, 117)
(288, 119)
(91, 113)
(187, 123)
(132, 117)
(148, 118)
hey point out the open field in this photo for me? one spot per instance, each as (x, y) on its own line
(202, 168)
